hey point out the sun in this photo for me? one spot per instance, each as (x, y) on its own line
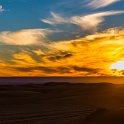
(119, 65)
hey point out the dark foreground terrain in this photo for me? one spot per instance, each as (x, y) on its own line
(62, 103)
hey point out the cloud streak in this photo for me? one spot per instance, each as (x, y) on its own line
(25, 37)
(92, 21)
(56, 19)
(86, 22)
(1, 9)
(95, 4)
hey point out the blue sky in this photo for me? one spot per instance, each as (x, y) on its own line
(26, 14)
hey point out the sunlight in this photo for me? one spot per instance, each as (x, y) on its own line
(119, 65)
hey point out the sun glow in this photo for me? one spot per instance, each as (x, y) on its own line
(119, 65)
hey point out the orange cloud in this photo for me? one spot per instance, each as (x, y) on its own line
(89, 56)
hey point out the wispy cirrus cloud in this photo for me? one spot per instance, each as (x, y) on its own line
(1, 9)
(25, 37)
(86, 22)
(95, 4)
(92, 21)
(56, 19)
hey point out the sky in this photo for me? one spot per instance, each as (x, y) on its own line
(61, 38)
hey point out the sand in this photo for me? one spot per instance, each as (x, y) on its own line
(62, 103)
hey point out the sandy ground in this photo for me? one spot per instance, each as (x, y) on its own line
(65, 103)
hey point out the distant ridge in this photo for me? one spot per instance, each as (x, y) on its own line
(42, 80)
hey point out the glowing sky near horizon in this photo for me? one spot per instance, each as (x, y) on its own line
(60, 38)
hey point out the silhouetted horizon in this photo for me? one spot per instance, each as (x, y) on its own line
(42, 80)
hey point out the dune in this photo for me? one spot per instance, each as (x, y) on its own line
(62, 103)
(104, 116)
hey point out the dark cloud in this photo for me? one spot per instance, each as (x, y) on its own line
(61, 55)
(44, 69)
(64, 70)
(60, 70)
(85, 69)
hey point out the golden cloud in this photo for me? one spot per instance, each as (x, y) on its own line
(89, 56)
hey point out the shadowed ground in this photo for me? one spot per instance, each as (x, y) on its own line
(62, 103)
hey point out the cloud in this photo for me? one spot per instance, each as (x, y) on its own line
(92, 21)
(56, 19)
(95, 4)
(90, 70)
(86, 22)
(1, 9)
(24, 37)
(40, 68)
(60, 55)
(92, 55)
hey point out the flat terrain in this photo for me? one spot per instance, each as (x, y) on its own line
(62, 103)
